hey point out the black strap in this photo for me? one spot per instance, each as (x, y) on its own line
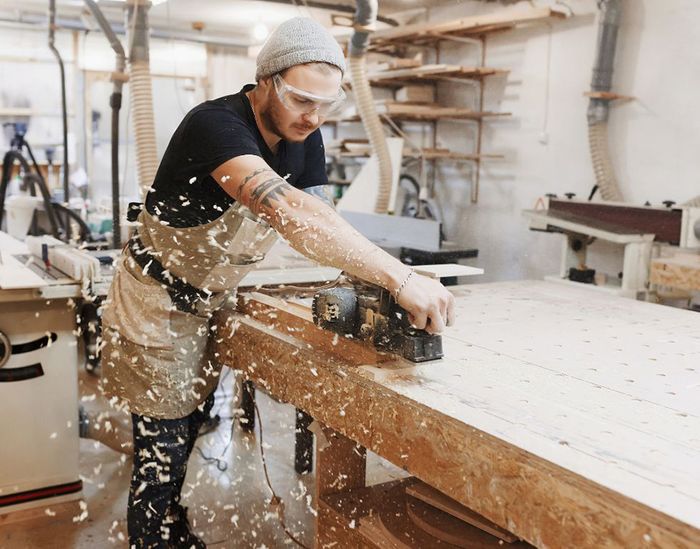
(185, 296)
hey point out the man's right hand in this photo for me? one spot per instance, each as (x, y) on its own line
(429, 304)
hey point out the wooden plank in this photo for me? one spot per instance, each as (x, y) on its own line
(465, 26)
(446, 527)
(404, 111)
(437, 499)
(529, 457)
(608, 95)
(447, 269)
(382, 516)
(358, 150)
(394, 64)
(682, 271)
(431, 73)
(340, 465)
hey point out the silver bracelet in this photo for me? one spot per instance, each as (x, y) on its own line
(398, 290)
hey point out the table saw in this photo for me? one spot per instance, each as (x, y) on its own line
(563, 416)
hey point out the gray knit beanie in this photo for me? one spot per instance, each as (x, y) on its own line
(297, 41)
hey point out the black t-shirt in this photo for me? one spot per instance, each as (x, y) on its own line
(185, 195)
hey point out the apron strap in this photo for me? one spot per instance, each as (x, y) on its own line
(184, 295)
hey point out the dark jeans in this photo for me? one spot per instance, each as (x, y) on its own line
(162, 448)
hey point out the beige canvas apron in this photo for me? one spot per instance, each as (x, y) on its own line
(155, 358)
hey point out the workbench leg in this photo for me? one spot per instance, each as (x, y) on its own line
(340, 465)
(303, 443)
(247, 420)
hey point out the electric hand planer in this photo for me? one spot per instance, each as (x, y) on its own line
(369, 313)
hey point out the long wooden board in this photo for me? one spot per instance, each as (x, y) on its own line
(464, 26)
(430, 73)
(569, 418)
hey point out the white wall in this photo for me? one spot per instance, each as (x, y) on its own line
(655, 140)
(29, 78)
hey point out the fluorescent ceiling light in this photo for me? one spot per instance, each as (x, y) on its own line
(260, 32)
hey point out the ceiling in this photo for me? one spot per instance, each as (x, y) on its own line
(231, 19)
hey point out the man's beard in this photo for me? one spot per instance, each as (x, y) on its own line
(270, 120)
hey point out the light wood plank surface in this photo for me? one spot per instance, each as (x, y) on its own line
(569, 417)
(608, 388)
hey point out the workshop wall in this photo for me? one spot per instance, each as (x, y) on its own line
(654, 140)
(30, 80)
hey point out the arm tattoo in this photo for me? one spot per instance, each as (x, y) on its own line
(248, 178)
(267, 191)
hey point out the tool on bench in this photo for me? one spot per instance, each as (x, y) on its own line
(370, 313)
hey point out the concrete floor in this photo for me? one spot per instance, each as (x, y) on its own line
(227, 500)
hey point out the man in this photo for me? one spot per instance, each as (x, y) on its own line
(229, 181)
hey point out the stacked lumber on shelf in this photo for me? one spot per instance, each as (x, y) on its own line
(427, 33)
(410, 111)
(429, 74)
(361, 148)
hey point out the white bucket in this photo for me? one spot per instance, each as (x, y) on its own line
(20, 210)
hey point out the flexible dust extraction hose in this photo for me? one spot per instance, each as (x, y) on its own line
(142, 97)
(599, 108)
(365, 17)
(602, 166)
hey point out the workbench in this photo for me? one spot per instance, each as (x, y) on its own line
(568, 417)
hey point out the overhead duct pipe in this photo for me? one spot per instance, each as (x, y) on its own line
(599, 108)
(364, 23)
(142, 94)
(115, 102)
(64, 112)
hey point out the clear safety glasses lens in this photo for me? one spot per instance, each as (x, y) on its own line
(304, 102)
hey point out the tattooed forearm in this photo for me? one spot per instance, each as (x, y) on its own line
(267, 191)
(248, 178)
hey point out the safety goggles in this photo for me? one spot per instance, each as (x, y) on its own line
(303, 102)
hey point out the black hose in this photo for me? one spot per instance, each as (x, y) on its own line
(412, 180)
(85, 234)
(34, 179)
(7, 164)
(115, 101)
(36, 164)
(64, 110)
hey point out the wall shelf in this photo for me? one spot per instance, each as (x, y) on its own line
(428, 34)
(430, 74)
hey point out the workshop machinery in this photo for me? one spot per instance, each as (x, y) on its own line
(642, 231)
(41, 281)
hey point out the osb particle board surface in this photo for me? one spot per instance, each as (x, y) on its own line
(606, 387)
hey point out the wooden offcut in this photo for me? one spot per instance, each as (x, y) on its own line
(681, 272)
